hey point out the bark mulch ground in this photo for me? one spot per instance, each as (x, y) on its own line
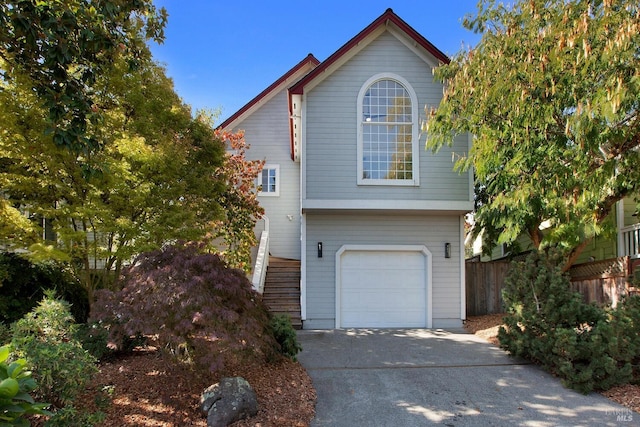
(144, 389)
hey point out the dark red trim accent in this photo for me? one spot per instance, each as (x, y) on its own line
(388, 15)
(308, 59)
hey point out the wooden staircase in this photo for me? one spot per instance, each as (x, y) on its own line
(282, 289)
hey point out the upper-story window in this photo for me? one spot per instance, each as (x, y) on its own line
(269, 181)
(387, 132)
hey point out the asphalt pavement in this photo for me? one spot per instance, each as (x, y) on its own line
(419, 377)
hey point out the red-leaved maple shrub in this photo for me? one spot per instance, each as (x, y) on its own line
(191, 304)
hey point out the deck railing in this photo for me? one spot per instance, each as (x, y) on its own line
(631, 241)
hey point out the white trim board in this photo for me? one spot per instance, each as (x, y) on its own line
(388, 204)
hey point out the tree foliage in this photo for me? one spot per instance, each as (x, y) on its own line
(156, 178)
(551, 94)
(239, 202)
(100, 152)
(63, 47)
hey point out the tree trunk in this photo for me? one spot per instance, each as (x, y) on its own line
(536, 236)
(574, 254)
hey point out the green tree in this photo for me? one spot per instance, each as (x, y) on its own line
(62, 47)
(551, 94)
(155, 180)
(239, 201)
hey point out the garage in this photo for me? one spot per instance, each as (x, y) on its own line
(383, 287)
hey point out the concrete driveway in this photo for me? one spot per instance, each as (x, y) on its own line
(418, 377)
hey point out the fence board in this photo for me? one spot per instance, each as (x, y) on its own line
(603, 282)
(484, 281)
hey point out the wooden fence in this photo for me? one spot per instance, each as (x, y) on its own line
(602, 282)
(484, 281)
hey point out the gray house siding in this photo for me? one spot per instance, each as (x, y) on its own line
(267, 132)
(378, 232)
(331, 130)
(336, 230)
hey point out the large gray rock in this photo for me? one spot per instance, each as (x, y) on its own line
(230, 400)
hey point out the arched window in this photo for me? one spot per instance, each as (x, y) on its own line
(387, 132)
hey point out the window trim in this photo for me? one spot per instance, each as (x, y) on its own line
(415, 153)
(275, 193)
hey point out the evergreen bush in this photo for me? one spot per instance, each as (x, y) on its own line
(548, 323)
(45, 337)
(626, 327)
(285, 336)
(94, 338)
(23, 283)
(70, 416)
(5, 333)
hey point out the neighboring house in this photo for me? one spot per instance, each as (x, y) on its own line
(625, 242)
(349, 189)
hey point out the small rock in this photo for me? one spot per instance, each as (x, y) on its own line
(230, 400)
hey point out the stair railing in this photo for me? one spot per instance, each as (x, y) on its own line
(262, 262)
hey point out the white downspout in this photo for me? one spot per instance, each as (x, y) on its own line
(463, 273)
(303, 219)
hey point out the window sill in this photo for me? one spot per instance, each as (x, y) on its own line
(388, 182)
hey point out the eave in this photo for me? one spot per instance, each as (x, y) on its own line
(387, 17)
(288, 78)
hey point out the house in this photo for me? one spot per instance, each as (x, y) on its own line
(625, 241)
(349, 190)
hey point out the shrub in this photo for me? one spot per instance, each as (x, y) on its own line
(5, 333)
(46, 338)
(285, 336)
(94, 338)
(23, 285)
(546, 322)
(15, 385)
(626, 327)
(191, 303)
(70, 416)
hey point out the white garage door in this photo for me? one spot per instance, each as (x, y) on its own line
(382, 289)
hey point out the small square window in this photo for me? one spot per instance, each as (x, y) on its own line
(269, 181)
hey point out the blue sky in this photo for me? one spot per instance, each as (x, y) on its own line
(220, 54)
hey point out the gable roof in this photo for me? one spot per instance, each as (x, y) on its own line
(387, 17)
(309, 61)
(314, 69)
